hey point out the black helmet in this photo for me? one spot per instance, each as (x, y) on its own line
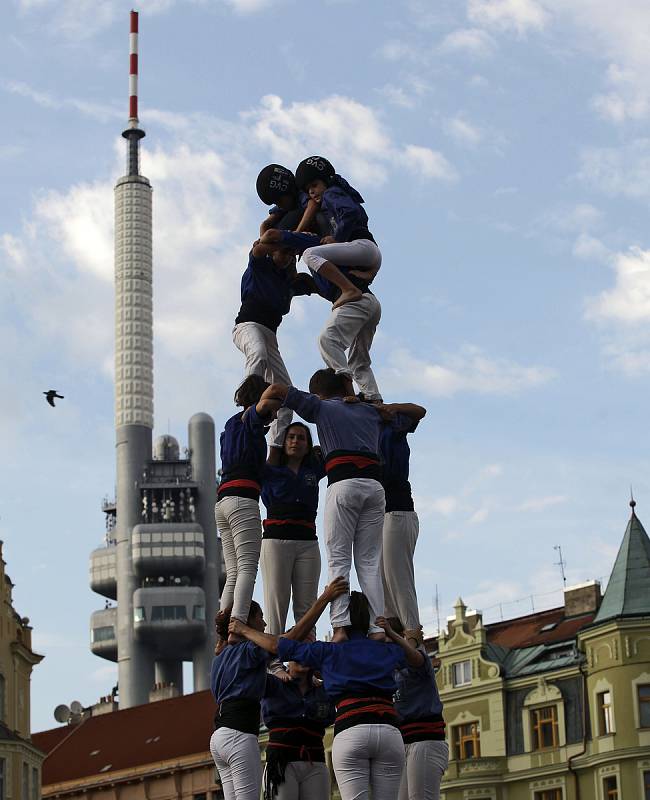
(273, 182)
(312, 169)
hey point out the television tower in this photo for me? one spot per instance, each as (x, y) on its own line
(161, 560)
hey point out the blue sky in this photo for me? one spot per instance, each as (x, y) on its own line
(502, 149)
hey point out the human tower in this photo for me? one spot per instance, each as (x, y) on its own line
(377, 684)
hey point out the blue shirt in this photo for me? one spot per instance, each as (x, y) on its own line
(290, 491)
(285, 700)
(243, 446)
(395, 453)
(356, 666)
(341, 426)
(417, 693)
(239, 671)
(342, 203)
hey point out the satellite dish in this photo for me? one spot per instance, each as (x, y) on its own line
(76, 707)
(62, 713)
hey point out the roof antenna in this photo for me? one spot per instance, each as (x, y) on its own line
(561, 563)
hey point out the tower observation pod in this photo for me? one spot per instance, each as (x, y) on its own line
(161, 560)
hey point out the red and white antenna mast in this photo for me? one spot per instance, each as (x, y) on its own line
(133, 133)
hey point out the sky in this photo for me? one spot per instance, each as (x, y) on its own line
(502, 150)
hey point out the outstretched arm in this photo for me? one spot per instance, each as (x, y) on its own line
(411, 410)
(414, 658)
(270, 643)
(276, 391)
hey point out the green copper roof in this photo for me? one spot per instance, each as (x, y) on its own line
(628, 590)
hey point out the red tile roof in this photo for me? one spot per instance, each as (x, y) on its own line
(155, 732)
(527, 631)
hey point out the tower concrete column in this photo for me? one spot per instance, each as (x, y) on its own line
(202, 446)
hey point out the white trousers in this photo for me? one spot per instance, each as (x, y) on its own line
(354, 519)
(260, 348)
(401, 530)
(352, 327)
(362, 253)
(289, 568)
(237, 757)
(368, 758)
(426, 763)
(305, 781)
(240, 526)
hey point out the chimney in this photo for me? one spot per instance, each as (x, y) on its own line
(583, 598)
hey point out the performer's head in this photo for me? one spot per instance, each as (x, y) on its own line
(255, 619)
(326, 384)
(359, 614)
(297, 442)
(250, 391)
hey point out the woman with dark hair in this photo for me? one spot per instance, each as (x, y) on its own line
(237, 679)
(358, 675)
(290, 557)
(296, 714)
(237, 512)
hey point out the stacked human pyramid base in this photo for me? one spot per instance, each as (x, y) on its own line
(376, 683)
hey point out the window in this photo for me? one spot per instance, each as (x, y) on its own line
(25, 791)
(467, 740)
(138, 614)
(610, 788)
(35, 783)
(604, 707)
(549, 794)
(201, 796)
(3, 772)
(2, 699)
(544, 727)
(103, 634)
(646, 786)
(462, 673)
(644, 705)
(159, 613)
(199, 613)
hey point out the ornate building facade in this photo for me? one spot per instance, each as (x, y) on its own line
(20, 759)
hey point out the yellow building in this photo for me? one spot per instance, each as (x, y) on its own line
(555, 705)
(20, 759)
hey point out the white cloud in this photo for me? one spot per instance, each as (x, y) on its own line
(474, 41)
(517, 15)
(537, 504)
(463, 132)
(445, 506)
(469, 370)
(589, 248)
(427, 163)
(623, 170)
(479, 516)
(628, 302)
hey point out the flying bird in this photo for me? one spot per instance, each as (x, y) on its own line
(50, 395)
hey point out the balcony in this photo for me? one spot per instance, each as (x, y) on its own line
(481, 766)
(103, 571)
(103, 637)
(175, 548)
(172, 618)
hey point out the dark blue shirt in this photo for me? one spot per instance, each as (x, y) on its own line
(266, 292)
(342, 203)
(243, 447)
(340, 425)
(356, 666)
(395, 453)
(238, 672)
(285, 489)
(286, 701)
(417, 693)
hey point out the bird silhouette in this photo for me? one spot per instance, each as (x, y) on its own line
(50, 395)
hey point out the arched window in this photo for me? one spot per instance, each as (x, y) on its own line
(2, 697)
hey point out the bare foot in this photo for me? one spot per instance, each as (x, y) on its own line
(349, 296)
(378, 637)
(235, 638)
(339, 635)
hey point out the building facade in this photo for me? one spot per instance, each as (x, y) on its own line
(20, 758)
(556, 705)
